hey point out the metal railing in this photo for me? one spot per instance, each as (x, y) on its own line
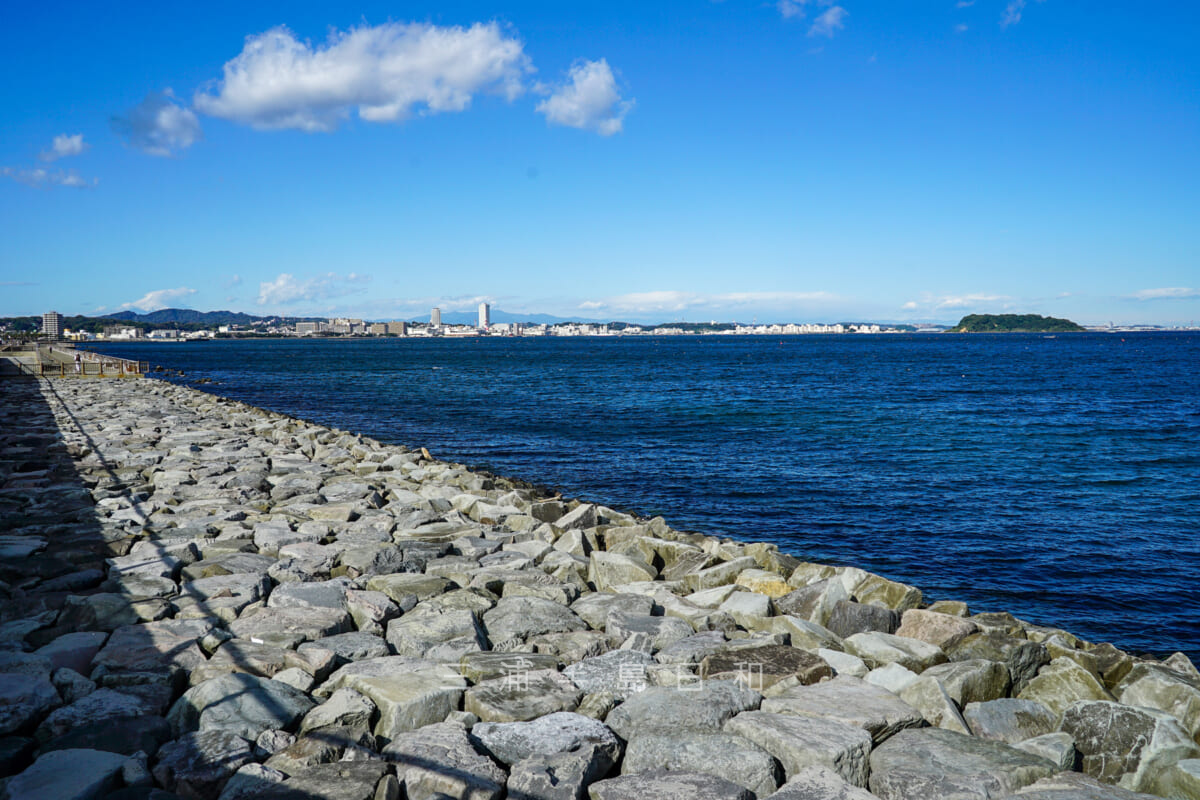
(53, 361)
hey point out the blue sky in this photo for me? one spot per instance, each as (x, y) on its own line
(643, 161)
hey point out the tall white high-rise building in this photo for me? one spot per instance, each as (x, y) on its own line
(485, 316)
(52, 325)
(435, 318)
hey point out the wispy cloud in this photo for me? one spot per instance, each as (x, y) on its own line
(19, 283)
(40, 178)
(385, 72)
(64, 146)
(286, 289)
(829, 22)
(964, 3)
(789, 9)
(159, 125)
(159, 298)
(931, 303)
(678, 301)
(1171, 293)
(589, 100)
(1013, 12)
(962, 27)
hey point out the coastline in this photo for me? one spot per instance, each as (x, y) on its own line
(240, 552)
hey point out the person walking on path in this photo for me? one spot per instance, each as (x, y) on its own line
(78, 363)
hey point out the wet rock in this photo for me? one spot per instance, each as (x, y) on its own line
(668, 785)
(664, 710)
(245, 705)
(731, 757)
(67, 775)
(197, 765)
(802, 742)
(440, 760)
(1009, 719)
(1126, 745)
(931, 762)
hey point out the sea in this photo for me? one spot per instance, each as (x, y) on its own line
(1053, 476)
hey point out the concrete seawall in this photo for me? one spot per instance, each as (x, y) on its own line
(201, 599)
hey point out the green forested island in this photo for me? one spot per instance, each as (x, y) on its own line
(1014, 323)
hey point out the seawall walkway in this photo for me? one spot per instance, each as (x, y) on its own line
(201, 599)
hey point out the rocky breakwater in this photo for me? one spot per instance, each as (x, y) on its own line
(205, 600)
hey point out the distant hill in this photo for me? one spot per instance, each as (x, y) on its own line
(187, 316)
(1014, 323)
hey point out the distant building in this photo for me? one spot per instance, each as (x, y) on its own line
(485, 316)
(378, 328)
(398, 328)
(309, 328)
(435, 318)
(52, 325)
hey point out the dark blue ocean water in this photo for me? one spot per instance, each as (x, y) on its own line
(1054, 477)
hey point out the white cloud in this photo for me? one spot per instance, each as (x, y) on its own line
(45, 179)
(933, 303)
(829, 22)
(675, 301)
(160, 298)
(287, 289)
(64, 146)
(1012, 13)
(964, 3)
(159, 125)
(791, 8)
(385, 72)
(961, 27)
(590, 100)
(1172, 293)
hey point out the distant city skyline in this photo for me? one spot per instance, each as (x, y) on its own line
(698, 160)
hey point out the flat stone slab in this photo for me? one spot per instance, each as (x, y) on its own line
(440, 760)
(932, 762)
(819, 783)
(522, 696)
(1076, 786)
(668, 785)
(665, 710)
(24, 699)
(802, 742)
(850, 701)
(622, 672)
(67, 775)
(245, 705)
(198, 764)
(762, 667)
(1009, 719)
(510, 742)
(724, 755)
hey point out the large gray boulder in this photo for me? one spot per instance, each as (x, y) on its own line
(724, 755)
(440, 760)
(343, 780)
(24, 700)
(974, 681)
(878, 649)
(1155, 686)
(802, 742)
(1126, 745)
(522, 696)
(668, 785)
(932, 762)
(622, 672)
(762, 667)
(409, 693)
(1075, 786)
(1009, 719)
(664, 710)
(851, 701)
(510, 742)
(67, 775)
(97, 707)
(436, 633)
(517, 618)
(820, 783)
(245, 705)
(198, 764)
